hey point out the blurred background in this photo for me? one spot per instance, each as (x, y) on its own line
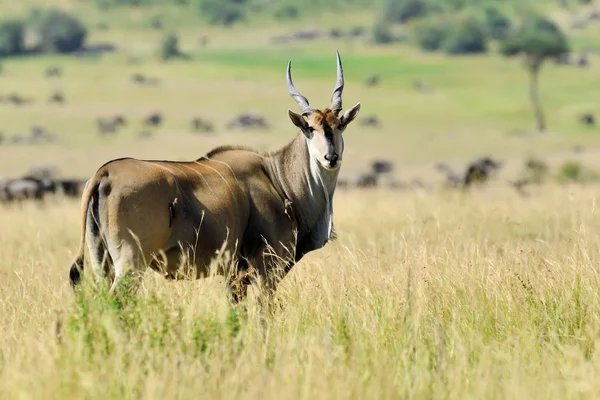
(506, 86)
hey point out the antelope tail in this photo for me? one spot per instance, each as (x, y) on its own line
(90, 194)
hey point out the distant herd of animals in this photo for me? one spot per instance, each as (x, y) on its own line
(38, 184)
(110, 125)
(43, 182)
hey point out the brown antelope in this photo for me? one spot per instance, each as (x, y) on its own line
(265, 210)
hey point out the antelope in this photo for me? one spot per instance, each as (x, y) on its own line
(265, 210)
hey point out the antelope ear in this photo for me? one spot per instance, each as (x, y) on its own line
(350, 115)
(298, 120)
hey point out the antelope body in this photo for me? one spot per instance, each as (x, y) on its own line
(264, 210)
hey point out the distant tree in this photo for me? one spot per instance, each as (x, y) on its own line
(466, 37)
(11, 37)
(496, 22)
(382, 33)
(400, 11)
(223, 12)
(58, 31)
(537, 39)
(431, 33)
(286, 11)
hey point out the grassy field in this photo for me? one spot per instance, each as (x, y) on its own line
(425, 294)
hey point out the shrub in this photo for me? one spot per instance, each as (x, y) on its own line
(535, 171)
(287, 11)
(496, 22)
(468, 37)
(382, 33)
(400, 11)
(11, 38)
(575, 172)
(430, 34)
(169, 47)
(223, 12)
(59, 31)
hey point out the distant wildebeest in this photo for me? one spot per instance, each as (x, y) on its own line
(144, 80)
(581, 60)
(42, 172)
(157, 23)
(453, 178)
(336, 33)
(422, 87)
(306, 35)
(119, 120)
(108, 125)
(594, 15)
(535, 173)
(371, 122)
(16, 99)
(381, 167)
(3, 195)
(57, 97)
(38, 134)
(2, 137)
(367, 179)
(379, 174)
(248, 120)
(372, 80)
(265, 211)
(138, 78)
(199, 124)
(587, 119)
(53, 72)
(479, 171)
(153, 119)
(357, 31)
(28, 188)
(71, 187)
(204, 40)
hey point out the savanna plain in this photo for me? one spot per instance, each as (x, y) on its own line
(428, 292)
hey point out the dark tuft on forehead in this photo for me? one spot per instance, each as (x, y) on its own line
(327, 118)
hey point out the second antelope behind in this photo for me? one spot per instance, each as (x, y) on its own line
(266, 211)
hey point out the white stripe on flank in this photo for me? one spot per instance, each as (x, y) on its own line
(231, 169)
(224, 180)
(204, 179)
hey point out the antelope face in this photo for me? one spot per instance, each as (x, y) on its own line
(323, 129)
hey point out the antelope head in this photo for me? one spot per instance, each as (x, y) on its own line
(323, 129)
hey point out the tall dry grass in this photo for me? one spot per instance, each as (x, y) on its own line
(424, 295)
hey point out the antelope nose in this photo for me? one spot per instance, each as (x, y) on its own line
(332, 158)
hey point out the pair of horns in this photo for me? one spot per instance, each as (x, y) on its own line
(336, 96)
